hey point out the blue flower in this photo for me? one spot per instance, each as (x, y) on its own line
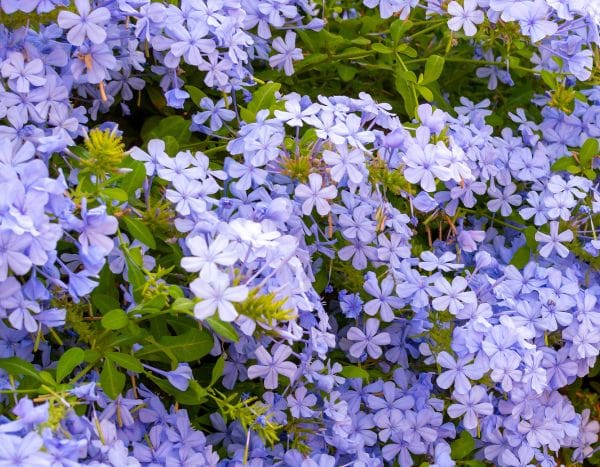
(87, 24)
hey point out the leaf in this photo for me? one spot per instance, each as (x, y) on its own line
(105, 303)
(16, 366)
(111, 379)
(381, 48)
(549, 78)
(563, 164)
(352, 371)
(182, 305)
(187, 347)
(114, 319)
(263, 97)
(588, 151)
(222, 328)
(217, 370)
(406, 90)
(399, 28)
(136, 276)
(129, 362)
(521, 257)
(116, 194)
(425, 92)
(195, 394)
(462, 446)
(530, 240)
(433, 68)
(140, 231)
(134, 179)
(347, 73)
(68, 361)
(175, 126)
(195, 94)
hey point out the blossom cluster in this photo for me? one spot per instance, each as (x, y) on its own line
(261, 277)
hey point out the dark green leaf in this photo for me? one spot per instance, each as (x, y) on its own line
(105, 303)
(114, 319)
(134, 179)
(129, 362)
(68, 361)
(140, 231)
(217, 370)
(263, 97)
(195, 394)
(195, 94)
(175, 126)
(462, 446)
(222, 328)
(192, 345)
(111, 379)
(521, 257)
(18, 367)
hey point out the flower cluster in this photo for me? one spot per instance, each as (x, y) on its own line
(254, 276)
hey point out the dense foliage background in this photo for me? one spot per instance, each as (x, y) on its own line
(272, 232)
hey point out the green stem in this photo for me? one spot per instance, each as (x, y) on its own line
(494, 219)
(477, 62)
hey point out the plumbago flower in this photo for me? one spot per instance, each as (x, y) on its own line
(150, 291)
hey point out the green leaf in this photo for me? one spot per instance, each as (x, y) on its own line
(263, 97)
(346, 72)
(195, 394)
(530, 240)
(187, 347)
(116, 194)
(462, 446)
(399, 28)
(352, 371)
(222, 328)
(406, 90)
(105, 303)
(563, 163)
(68, 361)
(217, 370)
(549, 78)
(114, 319)
(140, 231)
(129, 362)
(588, 151)
(381, 48)
(425, 92)
(521, 257)
(182, 305)
(590, 174)
(111, 379)
(195, 94)
(134, 179)
(135, 274)
(433, 69)
(18, 367)
(175, 126)
(157, 97)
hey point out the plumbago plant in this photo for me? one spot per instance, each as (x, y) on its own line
(272, 232)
